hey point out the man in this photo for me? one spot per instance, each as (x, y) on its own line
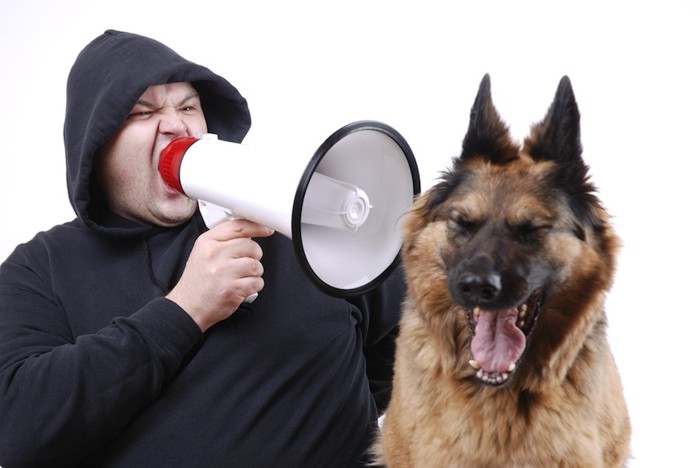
(124, 338)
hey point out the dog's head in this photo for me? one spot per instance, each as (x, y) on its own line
(518, 239)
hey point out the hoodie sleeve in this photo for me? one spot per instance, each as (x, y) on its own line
(381, 310)
(62, 398)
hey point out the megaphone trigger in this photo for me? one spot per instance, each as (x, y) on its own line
(214, 214)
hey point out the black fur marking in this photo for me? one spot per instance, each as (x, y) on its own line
(487, 136)
(442, 190)
(559, 134)
(579, 232)
(557, 138)
(526, 401)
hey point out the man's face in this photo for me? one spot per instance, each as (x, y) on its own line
(127, 164)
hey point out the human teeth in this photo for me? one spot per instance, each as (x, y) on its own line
(475, 364)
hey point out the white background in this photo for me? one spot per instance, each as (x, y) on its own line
(417, 67)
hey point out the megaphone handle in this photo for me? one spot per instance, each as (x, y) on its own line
(213, 216)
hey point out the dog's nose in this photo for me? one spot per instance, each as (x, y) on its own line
(479, 288)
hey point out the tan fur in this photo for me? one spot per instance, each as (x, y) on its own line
(564, 406)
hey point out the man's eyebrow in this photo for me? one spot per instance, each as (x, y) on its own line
(150, 105)
(193, 95)
(143, 102)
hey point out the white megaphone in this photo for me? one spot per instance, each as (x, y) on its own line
(342, 209)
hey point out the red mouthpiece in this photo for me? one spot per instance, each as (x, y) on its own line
(170, 160)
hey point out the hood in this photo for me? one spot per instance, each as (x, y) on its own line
(107, 78)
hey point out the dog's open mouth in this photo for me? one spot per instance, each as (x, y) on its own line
(499, 338)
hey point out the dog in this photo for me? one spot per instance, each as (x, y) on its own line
(502, 358)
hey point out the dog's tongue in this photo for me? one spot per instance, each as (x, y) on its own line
(497, 342)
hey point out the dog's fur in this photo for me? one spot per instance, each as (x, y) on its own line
(506, 226)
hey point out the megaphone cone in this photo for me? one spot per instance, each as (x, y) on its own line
(342, 209)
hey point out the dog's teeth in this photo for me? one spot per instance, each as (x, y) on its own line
(480, 373)
(475, 364)
(521, 323)
(504, 376)
(511, 368)
(522, 310)
(477, 312)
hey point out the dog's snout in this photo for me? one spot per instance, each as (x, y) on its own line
(476, 281)
(479, 288)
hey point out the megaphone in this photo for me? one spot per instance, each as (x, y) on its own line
(342, 209)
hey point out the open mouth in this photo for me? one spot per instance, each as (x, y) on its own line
(499, 338)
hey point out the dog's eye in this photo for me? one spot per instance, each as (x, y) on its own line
(528, 232)
(458, 222)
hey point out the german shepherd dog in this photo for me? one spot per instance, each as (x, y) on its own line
(502, 358)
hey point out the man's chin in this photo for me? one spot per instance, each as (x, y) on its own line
(175, 215)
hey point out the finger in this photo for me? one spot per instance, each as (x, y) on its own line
(247, 267)
(248, 278)
(249, 286)
(241, 248)
(239, 228)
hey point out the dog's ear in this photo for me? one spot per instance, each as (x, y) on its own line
(557, 138)
(487, 136)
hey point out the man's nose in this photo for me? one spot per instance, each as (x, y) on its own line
(173, 123)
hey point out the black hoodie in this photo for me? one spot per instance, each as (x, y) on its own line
(97, 368)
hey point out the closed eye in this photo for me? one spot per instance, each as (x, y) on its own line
(460, 223)
(528, 232)
(139, 114)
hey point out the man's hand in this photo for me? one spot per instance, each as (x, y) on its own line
(222, 271)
